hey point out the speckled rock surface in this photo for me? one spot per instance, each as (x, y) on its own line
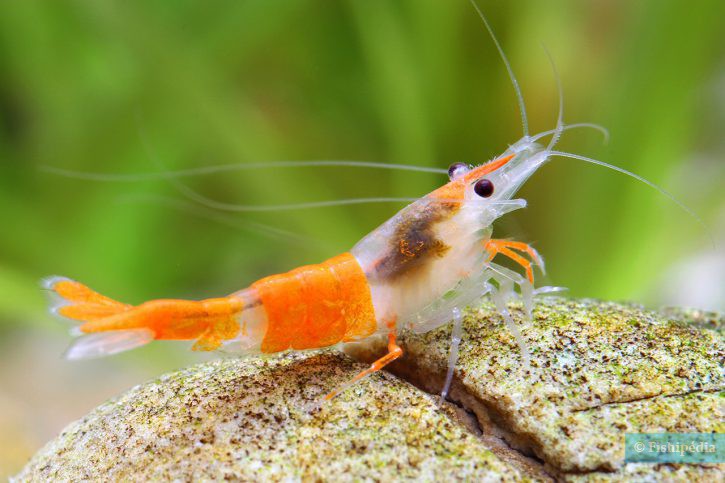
(598, 370)
(262, 420)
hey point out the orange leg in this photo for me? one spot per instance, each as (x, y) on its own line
(394, 352)
(524, 247)
(504, 248)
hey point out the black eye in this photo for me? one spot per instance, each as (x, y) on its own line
(457, 169)
(483, 188)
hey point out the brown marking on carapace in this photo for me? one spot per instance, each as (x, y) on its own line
(414, 242)
(316, 305)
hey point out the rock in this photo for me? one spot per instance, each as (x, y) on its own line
(262, 419)
(598, 370)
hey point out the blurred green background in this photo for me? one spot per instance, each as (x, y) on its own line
(119, 87)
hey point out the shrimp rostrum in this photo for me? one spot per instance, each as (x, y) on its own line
(417, 271)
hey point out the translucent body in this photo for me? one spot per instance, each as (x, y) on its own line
(424, 298)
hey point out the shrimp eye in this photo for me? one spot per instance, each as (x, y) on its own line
(483, 188)
(456, 170)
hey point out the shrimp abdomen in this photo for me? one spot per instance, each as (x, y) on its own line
(316, 305)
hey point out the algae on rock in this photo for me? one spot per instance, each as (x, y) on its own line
(263, 419)
(598, 370)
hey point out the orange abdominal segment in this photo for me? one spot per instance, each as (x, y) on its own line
(316, 305)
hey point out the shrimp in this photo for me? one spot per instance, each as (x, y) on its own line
(417, 272)
(396, 277)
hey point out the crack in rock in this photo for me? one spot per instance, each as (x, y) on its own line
(598, 370)
(479, 419)
(644, 398)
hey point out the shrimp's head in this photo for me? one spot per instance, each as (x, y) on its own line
(489, 188)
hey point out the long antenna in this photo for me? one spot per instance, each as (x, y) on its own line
(519, 96)
(206, 170)
(560, 92)
(641, 179)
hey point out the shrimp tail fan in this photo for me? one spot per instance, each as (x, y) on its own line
(75, 301)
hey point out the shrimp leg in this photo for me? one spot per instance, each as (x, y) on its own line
(394, 352)
(456, 333)
(504, 247)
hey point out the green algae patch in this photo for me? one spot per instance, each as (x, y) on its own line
(263, 419)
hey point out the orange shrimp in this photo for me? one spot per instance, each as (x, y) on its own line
(388, 279)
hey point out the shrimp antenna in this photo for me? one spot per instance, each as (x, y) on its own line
(641, 179)
(206, 170)
(566, 127)
(223, 219)
(560, 92)
(193, 195)
(557, 135)
(519, 96)
(218, 205)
